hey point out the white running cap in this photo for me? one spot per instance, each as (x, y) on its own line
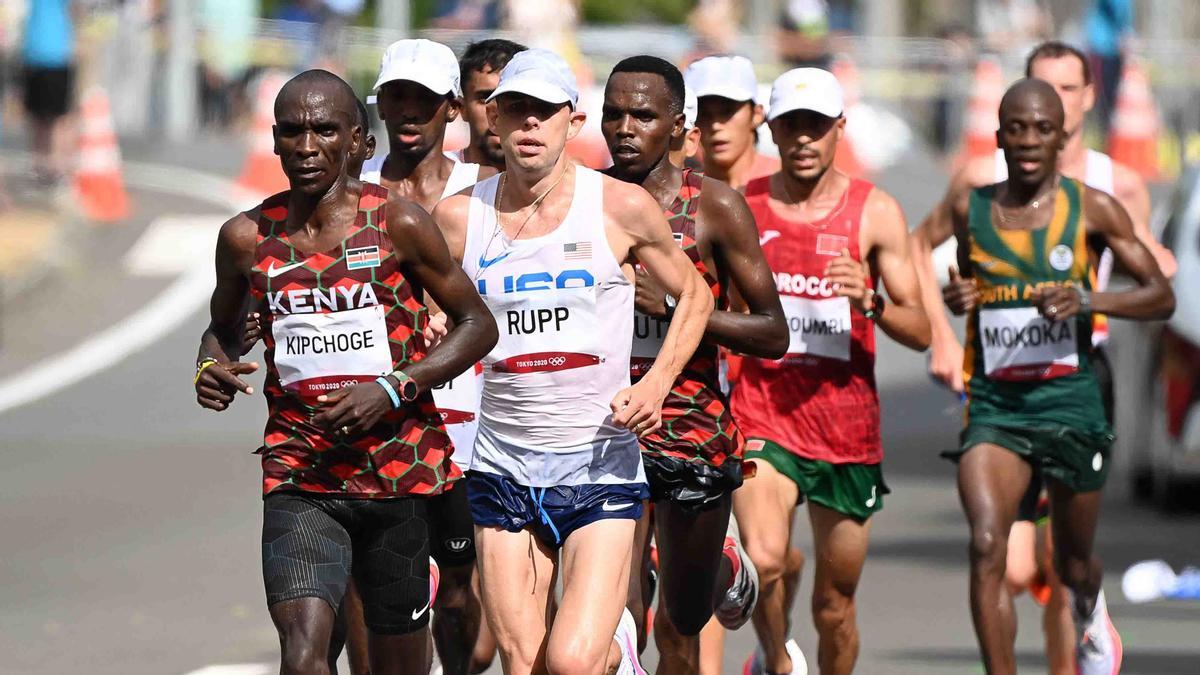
(430, 64)
(730, 77)
(806, 89)
(539, 73)
(690, 108)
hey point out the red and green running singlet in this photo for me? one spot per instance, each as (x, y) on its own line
(696, 423)
(333, 319)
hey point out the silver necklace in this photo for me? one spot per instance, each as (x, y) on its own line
(536, 204)
(1028, 208)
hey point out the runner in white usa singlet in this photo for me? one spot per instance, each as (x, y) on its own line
(561, 302)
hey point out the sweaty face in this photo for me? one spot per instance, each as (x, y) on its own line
(415, 116)
(532, 132)
(478, 86)
(635, 122)
(1031, 134)
(726, 128)
(1065, 74)
(315, 138)
(807, 142)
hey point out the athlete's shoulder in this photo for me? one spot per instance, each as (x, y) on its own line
(717, 198)
(622, 199)
(881, 209)
(242, 229)
(404, 213)
(1098, 202)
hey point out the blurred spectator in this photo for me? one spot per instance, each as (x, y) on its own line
(714, 24)
(467, 14)
(804, 33)
(948, 103)
(48, 55)
(227, 30)
(303, 28)
(1012, 26)
(1107, 24)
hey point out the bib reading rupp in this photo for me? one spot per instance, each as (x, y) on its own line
(564, 309)
(819, 401)
(696, 424)
(1021, 368)
(333, 319)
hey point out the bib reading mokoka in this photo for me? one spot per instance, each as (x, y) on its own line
(1020, 344)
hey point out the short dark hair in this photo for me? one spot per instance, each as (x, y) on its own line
(492, 54)
(1057, 50)
(644, 63)
(364, 118)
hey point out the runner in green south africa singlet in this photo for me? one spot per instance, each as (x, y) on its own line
(1030, 385)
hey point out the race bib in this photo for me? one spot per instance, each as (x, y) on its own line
(1019, 345)
(818, 327)
(552, 331)
(458, 399)
(319, 353)
(648, 334)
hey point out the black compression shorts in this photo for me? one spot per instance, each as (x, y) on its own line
(451, 529)
(311, 542)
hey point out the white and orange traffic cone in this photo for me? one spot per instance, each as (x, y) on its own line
(847, 159)
(261, 172)
(99, 186)
(1133, 134)
(983, 111)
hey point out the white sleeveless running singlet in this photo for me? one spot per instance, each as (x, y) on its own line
(1098, 175)
(458, 399)
(564, 310)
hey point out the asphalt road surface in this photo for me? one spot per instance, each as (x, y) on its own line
(130, 517)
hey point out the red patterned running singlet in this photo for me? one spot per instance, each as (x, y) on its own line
(819, 401)
(696, 424)
(332, 319)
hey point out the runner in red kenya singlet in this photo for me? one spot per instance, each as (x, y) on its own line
(353, 444)
(693, 463)
(812, 418)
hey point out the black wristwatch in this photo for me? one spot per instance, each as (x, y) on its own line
(876, 309)
(668, 306)
(408, 388)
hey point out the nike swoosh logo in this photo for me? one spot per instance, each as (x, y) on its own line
(418, 612)
(609, 506)
(871, 501)
(274, 271)
(485, 263)
(768, 236)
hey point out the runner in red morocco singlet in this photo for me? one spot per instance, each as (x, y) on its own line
(556, 484)
(812, 418)
(353, 444)
(693, 463)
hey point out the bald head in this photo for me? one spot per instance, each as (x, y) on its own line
(313, 86)
(1029, 93)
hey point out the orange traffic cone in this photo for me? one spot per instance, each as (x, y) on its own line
(847, 159)
(261, 173)
(983, 111)
(99, 186)
(1133, 136)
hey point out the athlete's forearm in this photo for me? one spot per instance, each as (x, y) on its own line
(684, 333)
(469, 340)
(1151, 302)
(906, 325)
(931, 296)
(761, 335)
(217, 344)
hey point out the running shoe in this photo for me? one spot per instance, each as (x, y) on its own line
(754, 664)
(739, 601)
(1099, 650)
(626, 639)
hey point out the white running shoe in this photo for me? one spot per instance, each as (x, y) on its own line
(738, 604)
(1099, 650)
(754, 664)
(626, 639)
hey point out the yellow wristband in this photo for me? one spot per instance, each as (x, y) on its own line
(200, 368)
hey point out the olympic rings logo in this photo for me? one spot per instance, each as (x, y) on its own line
(557, 360)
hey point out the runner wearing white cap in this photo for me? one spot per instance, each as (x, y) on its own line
(557, 482)
(417, 94)
(684, 147)
(479, 69)
(728, 117)
(829, 240)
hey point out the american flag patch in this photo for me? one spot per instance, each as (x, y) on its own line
(577, 250)
(831, 244)
(362, 258)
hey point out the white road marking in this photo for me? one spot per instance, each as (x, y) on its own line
(235, 669)
(165, 312)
